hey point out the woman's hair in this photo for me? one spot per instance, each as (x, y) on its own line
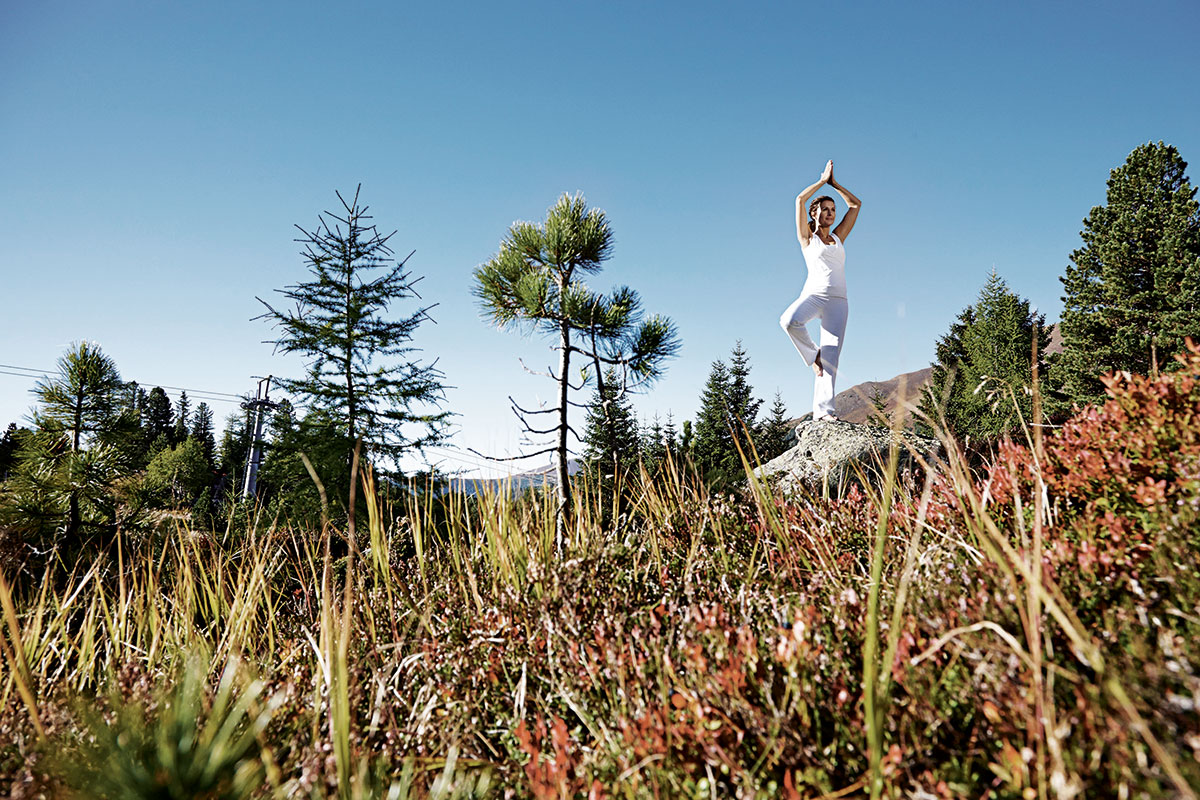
(813, 206)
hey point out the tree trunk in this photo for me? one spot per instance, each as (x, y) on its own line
(564, 486)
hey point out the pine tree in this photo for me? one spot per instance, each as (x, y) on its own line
(1133, 291)
(67, 470)
(983, 368)
(610, 438)
(362, 366)
(536, 282)
(775, 435)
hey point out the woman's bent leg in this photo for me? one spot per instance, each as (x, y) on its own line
(833, 330)
(798, 314)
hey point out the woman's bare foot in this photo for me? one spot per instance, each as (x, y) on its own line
(816, 365)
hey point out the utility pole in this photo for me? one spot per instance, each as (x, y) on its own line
(258, 408)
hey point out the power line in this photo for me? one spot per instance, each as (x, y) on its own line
(197, 394)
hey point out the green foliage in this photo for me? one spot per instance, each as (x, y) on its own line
(284, 482)
(610, 436)
(65, 478)
(535, 283)
(10, 447)
(775, 434)
(363, 369)
(1034, 617)
(981, 379)
(713, 440)
(184, 749)
(179, 431)
(176, 476)
(158, 427)
(202, 432)
(1132, 293)
(727, 420)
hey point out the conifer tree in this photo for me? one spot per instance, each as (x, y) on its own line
(983, 369)
(610, 437)
(743, 407)
(202, 432)
(654, 447)
(671, 441)
(10, 448)
(713, 442)
(66, 472)
(182, 418)
(727, 421)
(880, 417)
(775, 435)
(157, 424)
(1132, 292)
(363, 369)
(536, 283)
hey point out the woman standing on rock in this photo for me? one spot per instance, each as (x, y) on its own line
(824, 293)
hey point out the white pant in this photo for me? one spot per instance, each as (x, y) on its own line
(832, 312)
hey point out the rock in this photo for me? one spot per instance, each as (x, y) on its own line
(828, 454)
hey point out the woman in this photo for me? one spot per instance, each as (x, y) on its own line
(824, 293)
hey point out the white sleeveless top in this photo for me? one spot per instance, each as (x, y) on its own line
(826, 267)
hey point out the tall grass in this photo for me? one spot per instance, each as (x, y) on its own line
(905, 639)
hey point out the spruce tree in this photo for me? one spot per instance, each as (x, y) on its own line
(157, 424)
(775, 435)
(1132, 292)
(713, 433)
(653, 445)
(671, 441)
(880, 416)
(182, 418)
(610, 437)
(743, 407)
(363, 369)
(202, 432)
(983, 368)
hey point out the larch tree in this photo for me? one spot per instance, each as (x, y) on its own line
(1132, 292)
(363, 369)
(535, 283)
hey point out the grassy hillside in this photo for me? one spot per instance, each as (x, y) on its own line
(1029, 629)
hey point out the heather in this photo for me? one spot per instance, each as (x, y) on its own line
(1024, 628)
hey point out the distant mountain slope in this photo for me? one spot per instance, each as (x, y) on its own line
(541, 476)
(854, 404)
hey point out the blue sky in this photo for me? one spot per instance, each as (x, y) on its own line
(154, 158)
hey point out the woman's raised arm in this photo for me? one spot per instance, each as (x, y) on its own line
(854, 204)
(803, 233)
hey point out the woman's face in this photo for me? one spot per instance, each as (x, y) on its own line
(825, 214)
